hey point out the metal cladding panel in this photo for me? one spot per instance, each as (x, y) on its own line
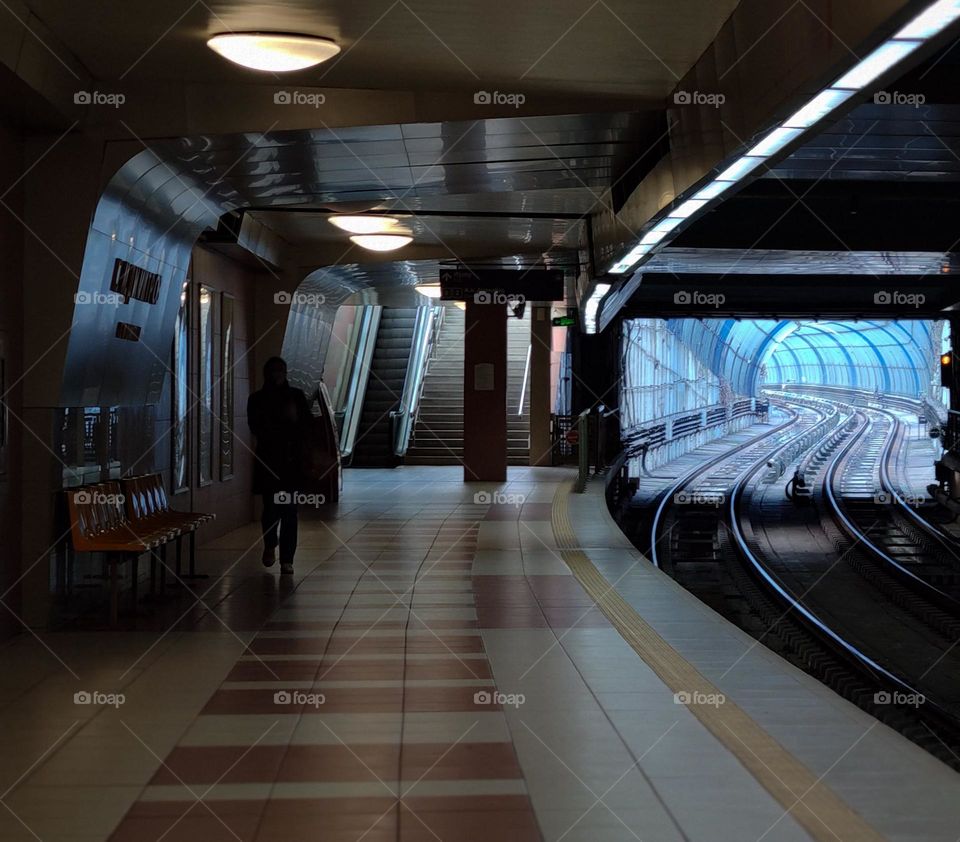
(151, 218)
(306, 342)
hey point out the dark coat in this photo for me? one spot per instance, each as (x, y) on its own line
(279, 417)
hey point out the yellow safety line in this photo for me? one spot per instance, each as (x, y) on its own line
(821, 812)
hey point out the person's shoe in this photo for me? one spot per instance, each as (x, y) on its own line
(269, 557)
(286, 567)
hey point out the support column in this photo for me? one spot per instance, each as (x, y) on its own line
(485, 393)
(541, 335)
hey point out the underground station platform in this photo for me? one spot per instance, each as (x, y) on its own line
(472, 420)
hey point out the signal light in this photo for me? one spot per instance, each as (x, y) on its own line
(947, 376)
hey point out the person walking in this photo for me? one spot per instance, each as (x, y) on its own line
(278, 416)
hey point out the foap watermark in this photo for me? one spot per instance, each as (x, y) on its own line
(112, 100)
(498, 98)
(899, 299)
(699, 498)
(899, 98)
(898, 697)
(96, 697)
(489, 296)
(885, 498)
(90, 497)
(699, 699)
(312, 299)
(298, 498)
(500, 498)
(312, 100)
(695, 298)
(698, 98)
(299, 698)
(495, 697)
(97, 298)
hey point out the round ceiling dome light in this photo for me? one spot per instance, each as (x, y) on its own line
(381, 242)
(363, 224)
(273, 51)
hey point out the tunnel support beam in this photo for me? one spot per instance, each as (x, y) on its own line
(485, 393)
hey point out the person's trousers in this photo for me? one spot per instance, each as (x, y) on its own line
(279, 521)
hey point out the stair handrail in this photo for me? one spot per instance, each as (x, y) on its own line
(425, 330)
(363, 343)
(526, 378)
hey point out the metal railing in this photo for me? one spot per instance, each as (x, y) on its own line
(644, 440)
(422, 348)
(526, 379)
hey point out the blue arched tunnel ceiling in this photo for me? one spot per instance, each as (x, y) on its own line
(889, 356)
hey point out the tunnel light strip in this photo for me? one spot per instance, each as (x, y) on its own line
(928, 24)
(592, 306)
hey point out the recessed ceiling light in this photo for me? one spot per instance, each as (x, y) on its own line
(273, 51)
(429, 290)
(381, 242)
(363, 224)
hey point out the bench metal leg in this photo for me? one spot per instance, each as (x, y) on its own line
(153, 570)
(114, 592)
(135, 580)
(193, 559)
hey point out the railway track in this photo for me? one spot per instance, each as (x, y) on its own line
(858, 589)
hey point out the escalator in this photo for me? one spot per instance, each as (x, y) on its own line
(374, 444)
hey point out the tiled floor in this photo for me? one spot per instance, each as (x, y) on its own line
(434, 671)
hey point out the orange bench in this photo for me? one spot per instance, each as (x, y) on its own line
(147, 504)
(125, 520)
(99, 524)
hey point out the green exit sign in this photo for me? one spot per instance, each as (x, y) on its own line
(564, 321)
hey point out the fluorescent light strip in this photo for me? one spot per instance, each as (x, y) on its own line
(739, 168)
(932, 21)
(929, 23)
(688, 208)
(592, 306)
(876, 64)
(712, 190)
(774, 142)
(818, 108)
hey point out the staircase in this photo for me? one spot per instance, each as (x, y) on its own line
(388, 370)
(518, 418)
(438, 435)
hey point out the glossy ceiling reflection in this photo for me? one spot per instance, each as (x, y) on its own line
(555, 160)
